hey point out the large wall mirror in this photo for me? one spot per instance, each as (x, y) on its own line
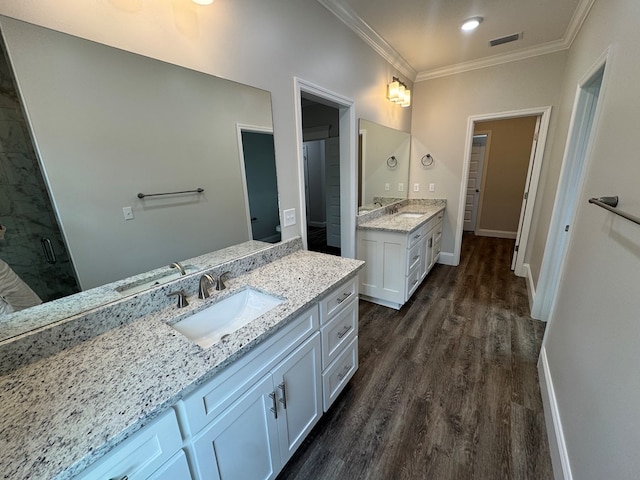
(384, 164)
(103, 125)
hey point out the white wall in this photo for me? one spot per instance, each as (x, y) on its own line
(441, 110)
(263, 44)
(593, 338)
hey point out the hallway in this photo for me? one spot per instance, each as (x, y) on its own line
(447, 387)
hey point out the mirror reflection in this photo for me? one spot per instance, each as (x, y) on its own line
(384, 165)
(106, 125)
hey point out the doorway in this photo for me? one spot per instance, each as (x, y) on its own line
(529, 192)
(339, 167)
(574, 164)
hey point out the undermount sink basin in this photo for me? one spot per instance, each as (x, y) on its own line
(410, 215)
(146, 283)
(208, 326)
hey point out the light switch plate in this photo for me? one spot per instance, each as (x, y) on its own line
(432, 187)
(128, 213)
(401, 187)
(416, 187)
(289, 217)
(387, 187)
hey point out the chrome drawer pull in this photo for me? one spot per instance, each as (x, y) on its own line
(415, 258)
(417, 236)
(414, 282)
(344, 297)
(283, 400)
(345, 370)
(274, 409)
(125, 477)
(344, 331)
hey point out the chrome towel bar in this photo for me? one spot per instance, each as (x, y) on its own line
(142, 195)
(610, 203)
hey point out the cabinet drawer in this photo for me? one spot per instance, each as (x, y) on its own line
(207, 402)
(140, 455)
(175, 468)
(339, 373)
(414, 256)
(335, 301)
(413, 280)
(415, 236)
(339, 332)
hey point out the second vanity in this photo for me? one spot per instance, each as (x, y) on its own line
(143, 401)
(400, 244)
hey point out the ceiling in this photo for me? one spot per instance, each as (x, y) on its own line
(422, 38)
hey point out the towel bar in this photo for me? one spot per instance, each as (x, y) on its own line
(142, 195)
(609, 203)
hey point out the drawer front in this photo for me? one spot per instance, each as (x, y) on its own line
(177, 467)
(142, 454)
(335, 301)
(206, 403)
(413, 281)
(414, 256)
(416, 236)
(338, 333)
(339, 373)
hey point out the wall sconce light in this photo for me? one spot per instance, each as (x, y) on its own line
(397, 92)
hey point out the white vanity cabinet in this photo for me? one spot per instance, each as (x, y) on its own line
(257, 435)
(397, 262)
(154, 452)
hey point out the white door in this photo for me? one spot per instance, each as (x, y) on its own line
(332, 171)
(243, 441)
(473, 184)
(525, 197)
(299, 389)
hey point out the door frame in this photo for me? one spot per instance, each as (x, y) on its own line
(545, 113)
(574, 167)
(243, 127)
(348, 159)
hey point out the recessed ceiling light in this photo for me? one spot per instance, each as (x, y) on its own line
(471, 23)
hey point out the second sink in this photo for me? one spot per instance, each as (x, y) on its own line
(208, 326)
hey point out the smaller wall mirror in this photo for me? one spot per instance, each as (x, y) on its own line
(383, 165)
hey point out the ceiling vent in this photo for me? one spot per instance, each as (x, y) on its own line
(503, 40)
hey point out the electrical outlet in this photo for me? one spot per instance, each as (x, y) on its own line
(128, 213)
(387, 187)
(416, 187)
(401, 187)
(289, 217)
(432, 187)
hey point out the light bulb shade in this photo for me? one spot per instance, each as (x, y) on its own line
(471, 23)
(407, 98)
(393, 90)
(401, 90)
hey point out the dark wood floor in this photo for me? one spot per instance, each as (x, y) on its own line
(447, 387)
(317, 241)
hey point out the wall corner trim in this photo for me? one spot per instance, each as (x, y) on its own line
(555, 435)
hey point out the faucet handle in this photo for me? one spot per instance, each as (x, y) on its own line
(220, 285)
(182, 298)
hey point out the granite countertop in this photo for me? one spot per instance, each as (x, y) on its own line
(59, 414)
(392, 220)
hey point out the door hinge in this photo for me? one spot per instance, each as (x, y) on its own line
(535, 137)
(526, 195)
(566, 228)
(517, 248)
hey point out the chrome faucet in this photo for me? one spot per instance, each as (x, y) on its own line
(179, 267)
(220, 285)
(182, 298)
(206, 282)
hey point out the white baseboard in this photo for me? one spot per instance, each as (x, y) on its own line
(531, 288)
(447, 258)
(555, 435)
(496, 233)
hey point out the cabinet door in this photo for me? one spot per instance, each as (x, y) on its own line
(176, 468)
(298, 384)
(242, 443)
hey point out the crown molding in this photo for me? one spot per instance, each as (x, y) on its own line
(347, 16)
(579, 16)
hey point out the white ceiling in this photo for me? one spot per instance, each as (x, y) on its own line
(422, 38)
